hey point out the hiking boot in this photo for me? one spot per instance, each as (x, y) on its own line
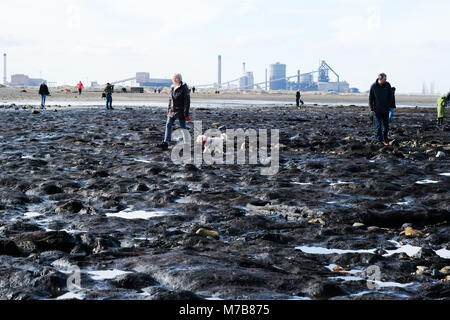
(163, 146)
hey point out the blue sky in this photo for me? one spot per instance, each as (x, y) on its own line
(66, 40)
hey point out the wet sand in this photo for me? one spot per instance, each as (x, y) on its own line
(86, 190)
(15, 95)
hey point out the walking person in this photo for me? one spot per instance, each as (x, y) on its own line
(393, 107)
(298, 99)
(43, 91)
(108, 91)
(441, 105)
(179, 104)
(80, 87)
(380, 101)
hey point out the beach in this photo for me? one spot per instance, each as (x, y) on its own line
(59, 95)
(85, 194)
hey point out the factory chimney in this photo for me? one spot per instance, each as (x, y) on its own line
(266, 79)
(219, 81)
(4, 70)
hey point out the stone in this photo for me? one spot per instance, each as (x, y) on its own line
(410, 232)
(134, 281)
(9, 248)
(46, 241)
(358, 225)
(51, 189)
(324, 290)
(208, 233)
(422, 270)
(73, 206)
(317, 220)
(445, 270)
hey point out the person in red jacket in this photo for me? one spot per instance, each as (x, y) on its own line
(80, 87)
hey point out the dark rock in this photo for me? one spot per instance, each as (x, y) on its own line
(73, 206)
(349, 259)
(176, 295)
(9, 248)
(324, 290)
(52, 189)
(52, 240)
(134, 281)
(142, 187)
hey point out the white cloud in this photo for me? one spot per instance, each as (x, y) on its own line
(246, 7)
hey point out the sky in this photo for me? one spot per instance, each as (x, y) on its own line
(65, 41)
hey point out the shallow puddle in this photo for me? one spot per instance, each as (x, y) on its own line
(139, 214)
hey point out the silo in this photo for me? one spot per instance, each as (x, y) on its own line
(277, 76)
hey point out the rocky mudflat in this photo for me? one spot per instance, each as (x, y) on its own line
(91, 209)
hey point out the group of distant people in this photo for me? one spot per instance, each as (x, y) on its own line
(381, 102)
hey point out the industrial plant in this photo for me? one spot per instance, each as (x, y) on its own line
(276, 78)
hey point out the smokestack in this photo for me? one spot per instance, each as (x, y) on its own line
(4, 70)
(219, 81)
(243, 67)
(266, 79)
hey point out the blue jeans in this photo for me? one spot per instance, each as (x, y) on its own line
(43, 97)
(382, 126)
(109, 101)
(169, 125)
(391, 114)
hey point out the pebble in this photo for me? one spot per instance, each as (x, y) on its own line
(208, 233)
(358, 224)
(422, 270)
(410, 232)
(445, 270)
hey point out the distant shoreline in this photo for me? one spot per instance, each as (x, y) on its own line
(14, 95)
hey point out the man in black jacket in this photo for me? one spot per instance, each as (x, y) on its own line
(179, 104)
(108, 91)
(381, 99)
(43, 91)
(298, 99)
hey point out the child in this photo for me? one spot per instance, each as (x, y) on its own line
(392, 108)
(441, 104)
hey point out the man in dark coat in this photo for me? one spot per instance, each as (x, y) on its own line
(298, 99)
(43, 91)
(179, 104)
(380, 101)
(108, 91)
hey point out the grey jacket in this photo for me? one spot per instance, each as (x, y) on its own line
(179, 103)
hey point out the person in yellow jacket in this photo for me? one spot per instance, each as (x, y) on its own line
(441, 105)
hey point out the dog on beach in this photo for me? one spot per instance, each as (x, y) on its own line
(211, 143)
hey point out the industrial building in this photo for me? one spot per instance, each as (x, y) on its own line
(277, 76)
(144, 80)
(247, 80)
(23, 80)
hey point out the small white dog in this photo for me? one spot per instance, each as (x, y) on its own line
(211, 143)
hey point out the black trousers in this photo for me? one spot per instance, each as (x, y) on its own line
(382, 126)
